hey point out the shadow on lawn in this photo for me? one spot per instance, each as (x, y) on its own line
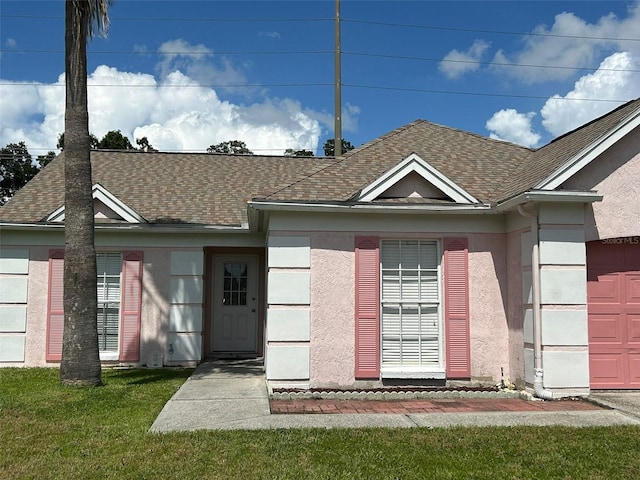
(143, 376)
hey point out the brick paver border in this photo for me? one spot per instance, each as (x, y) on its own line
(407, 407)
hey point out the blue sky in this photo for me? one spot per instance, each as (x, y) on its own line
(188, 74)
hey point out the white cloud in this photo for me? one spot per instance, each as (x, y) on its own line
(174, 113)
(10, 43)
(570, 42)
(456, 63)
(511, 126)
(199, 63)
(561, 114)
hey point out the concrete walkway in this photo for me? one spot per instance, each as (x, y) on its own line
(233, 395)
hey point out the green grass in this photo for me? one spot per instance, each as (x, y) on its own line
(49, 431)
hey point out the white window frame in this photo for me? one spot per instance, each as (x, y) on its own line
(416, 371)
(112, 355)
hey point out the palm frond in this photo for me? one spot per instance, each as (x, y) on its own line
(96, 13)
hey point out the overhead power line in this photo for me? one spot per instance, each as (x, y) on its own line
(328, 84)
(329, 52)
(185, 19)
(344, 20)
(481, 94)
(498, 32)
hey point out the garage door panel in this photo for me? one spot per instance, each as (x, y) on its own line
(606, 370)
(634, 370)
(633, 330)
(613, 291)
(605, 329)
(605, 288)
(632, 288)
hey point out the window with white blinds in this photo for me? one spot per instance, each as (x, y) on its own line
(410, 300)
(109, 286)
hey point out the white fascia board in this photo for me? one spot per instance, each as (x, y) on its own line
(588, 154)
(548, 196)
(144, 227)
(103, 195)
(370, 208)
(413, 163)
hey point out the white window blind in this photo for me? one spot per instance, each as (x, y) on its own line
(109, 266)
(410, 303)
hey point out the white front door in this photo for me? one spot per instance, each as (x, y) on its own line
(235, 304)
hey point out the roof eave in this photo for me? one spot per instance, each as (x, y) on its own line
(546, 196)
(320, 207)
(589, 153)
(146, 227)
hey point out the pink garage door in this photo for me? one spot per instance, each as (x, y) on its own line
(613, 291)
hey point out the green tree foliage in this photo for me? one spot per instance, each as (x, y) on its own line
(17, 168)
(230, 147)
(144, 145)
(115, 140)
(43, 160)
(330, 147)
(290, 152)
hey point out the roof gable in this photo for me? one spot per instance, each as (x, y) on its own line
(590, 152)
(105, 206)
(550, 166)
(433, 182)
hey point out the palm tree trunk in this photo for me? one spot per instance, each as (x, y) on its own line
(80, 363)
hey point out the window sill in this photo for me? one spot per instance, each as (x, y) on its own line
(109, 356)
(413, 373)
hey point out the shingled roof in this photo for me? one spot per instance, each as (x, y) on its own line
(166, 187)
(203, 189)
(475, 163)
(546, 160)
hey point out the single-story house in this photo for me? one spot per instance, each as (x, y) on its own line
(428, 255)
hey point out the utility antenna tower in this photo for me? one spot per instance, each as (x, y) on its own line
(337, 130)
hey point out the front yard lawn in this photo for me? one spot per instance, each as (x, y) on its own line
(49, 431)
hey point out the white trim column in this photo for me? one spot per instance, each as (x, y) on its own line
(14, 282)
(184, 337)
(288, 310)
(563, 300)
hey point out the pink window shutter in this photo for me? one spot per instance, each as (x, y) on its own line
(456, 287)
(367, 315)
(131, 307)
(55, 306)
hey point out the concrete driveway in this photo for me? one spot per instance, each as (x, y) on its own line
(627, 402)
